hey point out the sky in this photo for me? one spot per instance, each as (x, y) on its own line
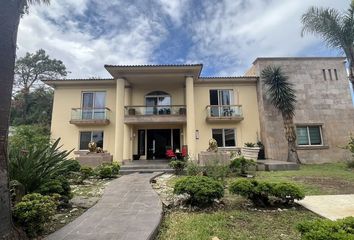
(226, 36)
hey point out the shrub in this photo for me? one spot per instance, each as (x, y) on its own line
(86, 172)
(201, 189)
(287, 192)
(216, 171)
(115, 168)
(104, 171)
(74, 166)
(38, 165)
(193, 169)
(178, 166)
(241, 165)
(60, 185)
(324, 229)
(260, 192)
(33, 212)
(249, 144)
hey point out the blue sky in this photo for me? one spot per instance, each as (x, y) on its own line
(225, 35)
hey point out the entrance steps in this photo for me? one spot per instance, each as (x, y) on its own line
(145, 166)
(274, 165)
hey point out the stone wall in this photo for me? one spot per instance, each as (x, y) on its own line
(325, 102)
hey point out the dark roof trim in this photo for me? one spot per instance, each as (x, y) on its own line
(78, 79)
(155, 65)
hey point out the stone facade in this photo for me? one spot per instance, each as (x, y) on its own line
(321, 102)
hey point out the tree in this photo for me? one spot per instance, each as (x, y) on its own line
(282, 96)
(32, 68)
(39, 108)
(336, 29)
(10, 13)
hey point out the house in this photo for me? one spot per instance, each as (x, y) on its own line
(144, 110)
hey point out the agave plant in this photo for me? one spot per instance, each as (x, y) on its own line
(39, 165)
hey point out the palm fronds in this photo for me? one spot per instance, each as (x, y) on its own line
(279, 89)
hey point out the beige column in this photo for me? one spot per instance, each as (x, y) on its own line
(128, 134)
(190, 135)
(119, 133)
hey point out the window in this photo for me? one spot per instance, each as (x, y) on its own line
(335, 74)
(93, 104)
(330, 74)
(324, 74)
(309, 135)
(155, 99)
(220, 101)
(141, 142)
(224, 137)
(86, 137)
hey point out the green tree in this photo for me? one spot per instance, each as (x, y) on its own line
(282, 95)
(32, 68)
(10, 14)
(39, 108)
(336, 29)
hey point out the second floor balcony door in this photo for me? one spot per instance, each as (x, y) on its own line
(220, 101)
(158, 103)
(93, 105)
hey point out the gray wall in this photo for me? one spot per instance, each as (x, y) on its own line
(319, 102)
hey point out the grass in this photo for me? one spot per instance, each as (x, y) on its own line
(334, 178)
(237, 221)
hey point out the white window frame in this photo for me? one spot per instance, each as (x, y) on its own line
(308, 135)
(223, 137)
(92, 131)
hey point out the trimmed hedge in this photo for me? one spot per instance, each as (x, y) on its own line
(33, 212)
(201, 189)
(259, 192)
(324, 229)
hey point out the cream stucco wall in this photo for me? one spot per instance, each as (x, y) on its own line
(68, 97)
(247, 130)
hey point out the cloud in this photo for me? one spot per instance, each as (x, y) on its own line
(224, 35)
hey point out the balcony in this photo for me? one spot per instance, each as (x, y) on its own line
(90, 117)
(224, 113)
(155, 114)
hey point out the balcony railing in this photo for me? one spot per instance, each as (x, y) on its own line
(155, 110)
(90, 116)
(224, 112)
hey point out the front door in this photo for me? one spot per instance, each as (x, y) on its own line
(157, 142)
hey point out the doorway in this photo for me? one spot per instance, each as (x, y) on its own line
(159, 140)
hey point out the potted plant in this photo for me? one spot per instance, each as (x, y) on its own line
(250, 151)
(131, 111)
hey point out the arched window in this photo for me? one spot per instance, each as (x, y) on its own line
(158, 98)
(158, 102)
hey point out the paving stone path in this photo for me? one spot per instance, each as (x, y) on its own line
(129, 209)
(330, 206)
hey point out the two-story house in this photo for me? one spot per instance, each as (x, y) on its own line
(143, 110)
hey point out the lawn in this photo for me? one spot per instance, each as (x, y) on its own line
(239, 220)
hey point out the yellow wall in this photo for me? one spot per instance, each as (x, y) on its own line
(68, 97)
(247, 130)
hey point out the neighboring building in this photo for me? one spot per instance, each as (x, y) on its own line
(145, 109)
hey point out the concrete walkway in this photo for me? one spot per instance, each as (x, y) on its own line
(330, 206)
(129, 209)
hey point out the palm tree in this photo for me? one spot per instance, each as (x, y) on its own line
(336, 28)
(282, 95)
(10, 14)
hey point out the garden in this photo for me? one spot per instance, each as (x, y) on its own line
(233, 201)
(48, 189)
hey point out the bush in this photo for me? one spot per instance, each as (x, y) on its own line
(324, 229)
(115, 168)
(28, 137)
(201, 189)
(216, 170)
(60, 185)
(241, 165)
(104, 171)
(260, 192)
(33, 212)
(249, 144)
(74, 166)
(193, 169)
(38, 165)
(86, 172)
(178, 166)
